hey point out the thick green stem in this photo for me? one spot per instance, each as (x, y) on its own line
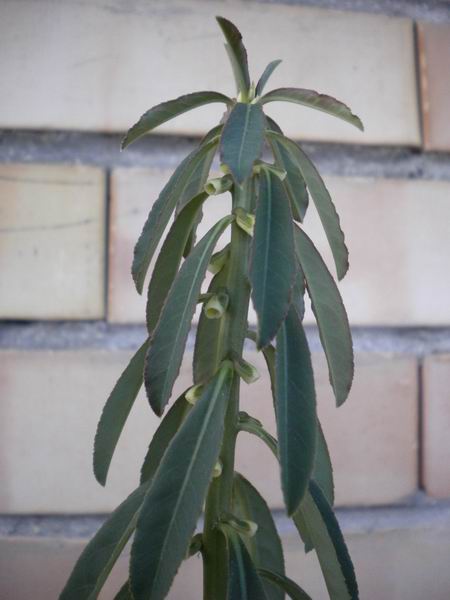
(234, 329)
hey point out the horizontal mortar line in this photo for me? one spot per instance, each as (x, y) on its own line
(367, 519)
(47, 227)
(99, 335)
(58, 182)
(166, 151)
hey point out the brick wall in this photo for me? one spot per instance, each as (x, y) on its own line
(74, 76)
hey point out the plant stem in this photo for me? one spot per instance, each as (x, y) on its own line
(219, 497)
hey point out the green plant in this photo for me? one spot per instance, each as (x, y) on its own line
(190, 461)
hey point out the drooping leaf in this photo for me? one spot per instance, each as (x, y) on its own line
(329, 543)
(298, 294)
(296, 410)
(169, 259)
(265, 76)
(269, 357)
(288, 586)
(242, 139)
(323, 469)
(293, 182)
(115, 413)
(174, 500)
(312, 99)
(330, 314)
(124, 593)
(272, 266)
(161, 113)
(166, 350)
(100, 555)
(244, 582)
(322, 200)
(163, 436)
(180, 185)
(265, 546)
(209, 348)
(237, 53)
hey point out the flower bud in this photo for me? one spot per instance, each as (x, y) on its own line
(218, 260)
(216, 306)
(217, 471)
(218, 185)
(194, 393)
(242, 526)
(271, 168)
(245, 220)
(245, 370)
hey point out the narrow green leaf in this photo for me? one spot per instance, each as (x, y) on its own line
(293, 590)
(265, 546)
(298, 294)
(242, 139)
(296, 410)
(269, 357)
(124, 593)
(100, 555)
(272, 266)
(330, 314)
(323, 469)
(244, 582)
(163, 436)
(166, 350)
(183, 183)
(312, 99)
(329, 543)
(322, 200)
(174, 501)
(237, 54)
(161, 113)
(265, 76)
(169, 259)
(209, 348)
(115, 413)
(294, 183)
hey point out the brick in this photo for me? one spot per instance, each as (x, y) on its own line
(55, 409)
(381, 287)
(98, 84)
(436, 425)
(374, 458)
(434, 66)
(416, 541)
(52, 240)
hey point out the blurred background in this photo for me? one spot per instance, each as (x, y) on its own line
(74, 76)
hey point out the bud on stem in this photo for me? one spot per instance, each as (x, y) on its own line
(245, 220)
(216, 306)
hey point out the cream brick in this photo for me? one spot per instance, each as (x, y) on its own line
(397, 554)
(434, 63)
(73, 77)
(54, 410)
(52, 242)
(436, 425)
(372, 438)
(394, 228)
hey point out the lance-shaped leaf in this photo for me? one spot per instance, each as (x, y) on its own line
(183, 183)
(100, 555)
(209, 348)
(242, 139)
(244, 582)
(174, 501)
(323, 469)
(296, 410)
(161, 113)
(272, 267)
(330, 314)
(328, 541)
(294, 183)
(285, 584)
(298, 294)
(124, 593)
(115, 413)
(169, 259)
(312, 99)
(322, 200)
(236, 53)
(163, 436)
(166, 350)
(265, 546)
(265, 76)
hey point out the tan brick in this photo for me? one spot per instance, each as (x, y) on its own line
(372, 438)
(54, 410)
(436, 425)
(434, 67)
(52, 242)
(73, 78)
(415, 541)
(394, 229)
